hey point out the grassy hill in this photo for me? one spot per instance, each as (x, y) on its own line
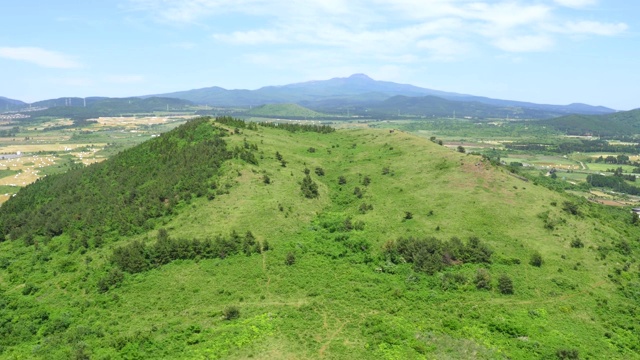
(284, 111)
(617, 124)
(261, 263)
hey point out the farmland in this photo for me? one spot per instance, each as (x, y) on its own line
(44, 147)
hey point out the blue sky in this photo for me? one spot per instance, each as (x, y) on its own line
(544, 51)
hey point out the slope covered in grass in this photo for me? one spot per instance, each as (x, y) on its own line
(367, 269)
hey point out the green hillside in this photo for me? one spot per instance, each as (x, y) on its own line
(284, 111)
(228, 240)
(617, 124)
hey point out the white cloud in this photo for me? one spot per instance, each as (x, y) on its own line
(404, 30)
(526, 43)
(576, 3)
(595, 28)
(124, 79)
(38, 56)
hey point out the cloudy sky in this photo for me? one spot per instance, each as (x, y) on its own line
(545, 51)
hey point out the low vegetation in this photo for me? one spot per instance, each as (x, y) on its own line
(200, 244)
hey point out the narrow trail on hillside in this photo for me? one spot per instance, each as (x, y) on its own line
(331, 337)
(264, 268)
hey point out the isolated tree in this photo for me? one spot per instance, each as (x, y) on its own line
(536, 259)
(505, 285)
(309, 188)
(483, 279)
(366, 180)
(290, 259)
(461, 149)
(568, 354)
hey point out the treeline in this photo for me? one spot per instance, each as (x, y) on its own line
(137, 256)
(10, 132)
(236, 123)
(322, 129)
(241, 124)
(616, 183)
(125, 194)
(570, 147)
(431, 255)
(79, 122)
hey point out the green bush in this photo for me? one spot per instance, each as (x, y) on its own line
(571, 354)
(309, 188)
(536, 259)
(577, 243)
(231, 313)
(505, 285)
(290, 259)
(483, 279)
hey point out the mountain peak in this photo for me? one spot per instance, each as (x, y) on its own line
(359, 77)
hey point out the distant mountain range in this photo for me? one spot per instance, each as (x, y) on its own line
(356, 95)
(82, 109)
(361, 90)
(10, 104)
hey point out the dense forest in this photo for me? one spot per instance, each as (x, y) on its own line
(132, 189)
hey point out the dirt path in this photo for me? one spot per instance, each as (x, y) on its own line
(324, 346)
(264, 268)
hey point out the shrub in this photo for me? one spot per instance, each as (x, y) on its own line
(408, 215)
(570, 207)
(571, 354)
(112, 279)
(366, 180)
(290, 259)
(342, 180)
(483, 279)
(623, 247)
(29, 289)
(452, 281)
(311, 149)
(266, 179)
(319, 171)
(357, 192)
(364, 207)
(536, 259)
(309, 188)
(505, 285)
(577, 243)
(231, 313)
